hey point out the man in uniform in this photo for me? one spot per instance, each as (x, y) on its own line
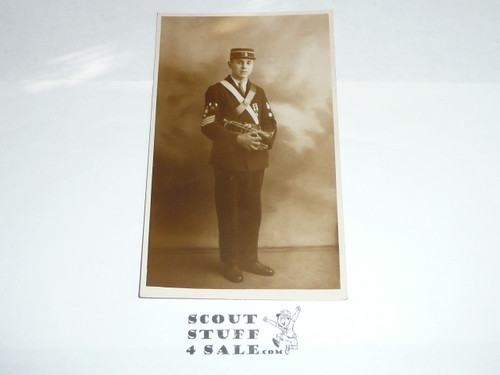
(239, 156)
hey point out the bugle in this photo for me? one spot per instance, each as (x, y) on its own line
(243, 127)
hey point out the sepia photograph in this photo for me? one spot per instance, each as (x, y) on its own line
(243, 197)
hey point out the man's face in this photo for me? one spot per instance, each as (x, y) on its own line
(240, 68)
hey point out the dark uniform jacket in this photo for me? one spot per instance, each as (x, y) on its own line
(220, 104)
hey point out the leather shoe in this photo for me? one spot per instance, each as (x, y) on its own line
(258, 268)
(232, 272)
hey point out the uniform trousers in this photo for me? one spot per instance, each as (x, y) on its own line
(238, 204)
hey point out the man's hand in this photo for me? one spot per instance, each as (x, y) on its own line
(250, 141)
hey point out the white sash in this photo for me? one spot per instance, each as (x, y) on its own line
(241, 99)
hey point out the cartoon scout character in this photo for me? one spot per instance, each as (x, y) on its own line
(285, 323)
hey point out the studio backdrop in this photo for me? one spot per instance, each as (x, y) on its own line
(294, 64)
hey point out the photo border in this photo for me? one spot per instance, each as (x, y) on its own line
(146, 291)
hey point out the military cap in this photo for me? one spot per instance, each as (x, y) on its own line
(242, 53)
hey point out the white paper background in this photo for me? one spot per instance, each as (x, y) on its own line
(418, 94)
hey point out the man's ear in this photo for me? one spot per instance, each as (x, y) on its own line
(229, 64)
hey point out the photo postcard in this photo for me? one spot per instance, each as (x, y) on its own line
(243, 194)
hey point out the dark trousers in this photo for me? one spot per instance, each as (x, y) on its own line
(238, 204)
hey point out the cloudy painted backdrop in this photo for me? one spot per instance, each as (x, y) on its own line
(294, 66)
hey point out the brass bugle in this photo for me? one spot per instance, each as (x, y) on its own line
(243, 127)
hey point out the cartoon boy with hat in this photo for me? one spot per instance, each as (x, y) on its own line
(285, 323)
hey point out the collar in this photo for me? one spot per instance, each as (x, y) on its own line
(236, 82)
